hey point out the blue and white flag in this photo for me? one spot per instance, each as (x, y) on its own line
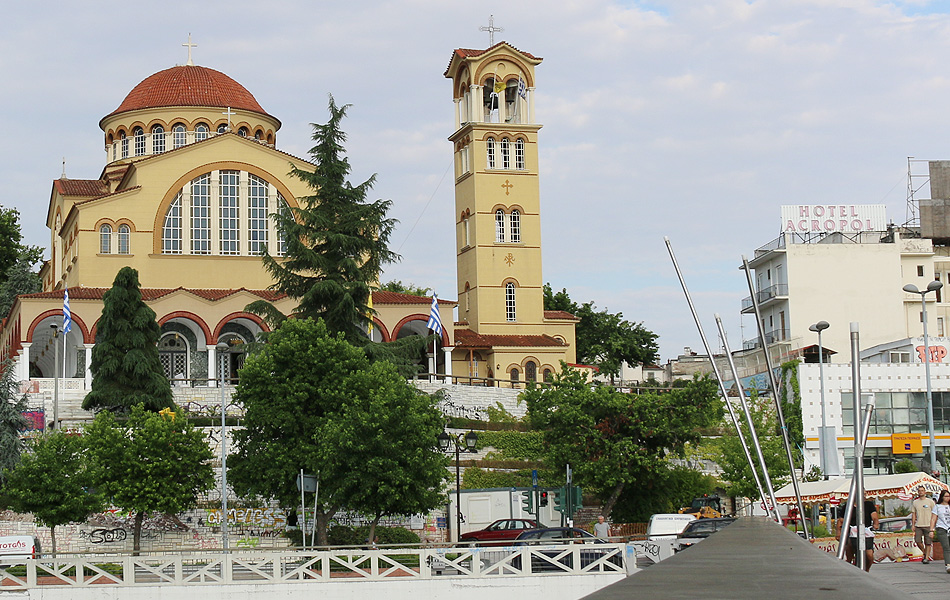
(435, 321)
(67, 316)
(522, 88)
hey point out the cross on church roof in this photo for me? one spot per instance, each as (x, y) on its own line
(491, 29)
(190, 46)
(230, 113)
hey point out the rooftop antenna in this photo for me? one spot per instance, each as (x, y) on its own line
(491, 29)
(189, 45)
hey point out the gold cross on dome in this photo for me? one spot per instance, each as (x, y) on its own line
(507, 185)
(190, 46)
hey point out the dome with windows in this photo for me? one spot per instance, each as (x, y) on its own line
(189, 85)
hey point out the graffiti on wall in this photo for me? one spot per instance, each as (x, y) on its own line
(260, 517)
(450, 408)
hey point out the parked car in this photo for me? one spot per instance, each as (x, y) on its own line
(566, 536)
(667, 526)
(892, 524)
(17, 548)
(699, 530)
(502, 530)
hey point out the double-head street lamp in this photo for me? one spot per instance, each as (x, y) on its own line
(822, 438)
(467, 443)
(933, 286)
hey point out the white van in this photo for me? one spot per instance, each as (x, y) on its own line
(19, 548)
(667, 526)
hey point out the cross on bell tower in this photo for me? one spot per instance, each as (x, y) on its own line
(491, 29)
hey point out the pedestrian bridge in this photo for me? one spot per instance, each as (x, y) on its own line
(559, 572)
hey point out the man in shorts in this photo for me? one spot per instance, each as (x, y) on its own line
(921, 513)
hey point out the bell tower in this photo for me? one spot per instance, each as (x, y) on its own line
(504, 332)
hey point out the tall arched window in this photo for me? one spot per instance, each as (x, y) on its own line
(171, 229)
(515, 229)
(519, 154)
(229, 226)
(511, 312)
(124, 144)
(548, 375)
(505, 153)
(158, 139)
(258, 135)
(124, 238)
(530, 371)
(105, 239)
(490, 150)
(242, 132)
(180, 137)
(515, 375)
(139, 138)
(500, 226)
(257, 212)
(201, 132)
(201, 214)
(490, 100)
(284, 209)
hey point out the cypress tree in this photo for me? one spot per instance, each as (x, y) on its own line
(125, 367)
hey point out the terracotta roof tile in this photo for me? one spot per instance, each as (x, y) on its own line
(560, 315)
(96, 293)
(470, 52)
(385, 297)
(80, 187)
(466, 338)
(189, 85)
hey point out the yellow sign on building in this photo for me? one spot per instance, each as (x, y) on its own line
(906, 443)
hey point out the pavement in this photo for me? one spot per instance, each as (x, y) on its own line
(919, 581)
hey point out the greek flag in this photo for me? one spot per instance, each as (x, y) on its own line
(435, 321)
(67, 316)
(522, 88)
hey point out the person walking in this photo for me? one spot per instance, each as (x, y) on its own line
(920, 521)
(940, 523)
(602, 528)
(871, 523)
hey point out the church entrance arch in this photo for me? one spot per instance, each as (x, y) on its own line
(173, 354)
(416, 326)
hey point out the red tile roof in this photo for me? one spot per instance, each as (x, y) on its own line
(560, 315)
(384, 297)
(189, 85)
(96, 293)
(466, 338)
(469, 53)
(80, 187)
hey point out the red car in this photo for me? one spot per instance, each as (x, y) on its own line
(501, 530)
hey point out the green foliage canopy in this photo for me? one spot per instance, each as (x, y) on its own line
(11, 243)
(125, 367)
(735, 467)
(12, 422)
(19, 278)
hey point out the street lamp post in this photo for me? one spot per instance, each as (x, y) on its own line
(222, 349)
(466, 442)
(933, 286)
(822, 441)
(55, 329)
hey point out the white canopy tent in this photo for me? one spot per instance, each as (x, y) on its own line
(899, 485)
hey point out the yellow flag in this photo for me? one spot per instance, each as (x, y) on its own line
(499, 87)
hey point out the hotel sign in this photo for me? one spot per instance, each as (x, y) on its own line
(906, 443)
(833, 218)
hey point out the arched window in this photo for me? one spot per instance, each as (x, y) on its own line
(281, 235)
(500, 226)
(547, 375)
(519, 154)
(125, 144)
(465, 232)
(180, 137)
(171, 230)
(511, 100)
(173, 355)
(468, 297)
(257, 212)
(505, 154)
(201, 214)
(242, 132)
(490, 100)
(258, 135)
(124, 235)
(511, 312)
(530, 371)
(223, 128)
(490, 151)
(515, 375)
(515, 229)
(139, 138)
(201, 132)
(229, 227)
(105, 239)
(158, 139)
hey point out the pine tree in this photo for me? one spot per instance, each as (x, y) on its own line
(336, 241)
(125, 367)
(20, 278)
(12, 421)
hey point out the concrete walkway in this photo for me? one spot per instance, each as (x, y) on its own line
(920, 581)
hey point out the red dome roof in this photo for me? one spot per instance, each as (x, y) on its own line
(189, 86)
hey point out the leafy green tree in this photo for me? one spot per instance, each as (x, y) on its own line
(19, 278)
(125, 367)
(149, 462)
(336, 241)
(53, 482)
(11, 243)
(408, 288)
(615, 440)
(735, 467)
(12, 422)
(670, 489)
(604, 339)
(315, 402)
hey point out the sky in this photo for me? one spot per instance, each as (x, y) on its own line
(693, 119)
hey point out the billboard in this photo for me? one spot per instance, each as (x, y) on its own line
(833, 218)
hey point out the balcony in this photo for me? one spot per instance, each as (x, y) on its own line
(777, 291)
(771, 337)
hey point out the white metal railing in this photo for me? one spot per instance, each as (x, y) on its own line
(44, 384)
(323, 565)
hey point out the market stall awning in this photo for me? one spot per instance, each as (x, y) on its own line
(899, 485)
